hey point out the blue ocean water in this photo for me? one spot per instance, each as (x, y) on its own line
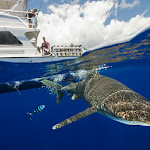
(127, 62)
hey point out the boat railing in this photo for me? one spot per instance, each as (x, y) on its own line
(59, 54)
(26, 18)
(67, 51)
(57, 51)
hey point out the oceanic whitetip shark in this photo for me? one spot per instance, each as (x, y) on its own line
(108, 97)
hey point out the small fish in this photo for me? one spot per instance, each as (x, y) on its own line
(36, 110)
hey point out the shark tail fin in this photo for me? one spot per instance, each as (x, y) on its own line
(30, 115)
(76, 117)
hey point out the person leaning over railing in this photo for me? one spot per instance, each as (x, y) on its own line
(31, 14)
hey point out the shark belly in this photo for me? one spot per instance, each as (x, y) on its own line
(127, 121)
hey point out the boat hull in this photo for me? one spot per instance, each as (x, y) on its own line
(35, 59)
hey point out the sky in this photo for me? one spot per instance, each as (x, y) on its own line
(93, 23)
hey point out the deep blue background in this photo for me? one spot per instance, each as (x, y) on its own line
(17, 131)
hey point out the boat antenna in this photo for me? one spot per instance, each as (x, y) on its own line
(41, 5)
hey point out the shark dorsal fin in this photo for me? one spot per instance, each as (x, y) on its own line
(76, 117)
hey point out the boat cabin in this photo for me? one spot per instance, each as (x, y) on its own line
(19, 33)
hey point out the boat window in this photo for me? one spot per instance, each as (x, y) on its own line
(7, 38)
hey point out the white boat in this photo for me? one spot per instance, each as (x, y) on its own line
(18, 38)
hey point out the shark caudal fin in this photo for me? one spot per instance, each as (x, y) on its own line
(54, 88)
(30, 115)
(76, 117)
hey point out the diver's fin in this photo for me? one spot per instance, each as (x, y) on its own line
(74, 97)
(25, 85)
(59, 94)
(30, 115)
(76, 117)
(48, 82)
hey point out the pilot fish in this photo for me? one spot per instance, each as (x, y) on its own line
(36, 110)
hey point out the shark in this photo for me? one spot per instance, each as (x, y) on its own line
(108, 97)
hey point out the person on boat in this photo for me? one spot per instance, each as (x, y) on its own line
(71, 45)
(45, 46)
(31, 14)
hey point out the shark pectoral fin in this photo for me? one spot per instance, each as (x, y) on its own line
(59, 94)
(76, 117)
(55, 87)
(74, 97)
